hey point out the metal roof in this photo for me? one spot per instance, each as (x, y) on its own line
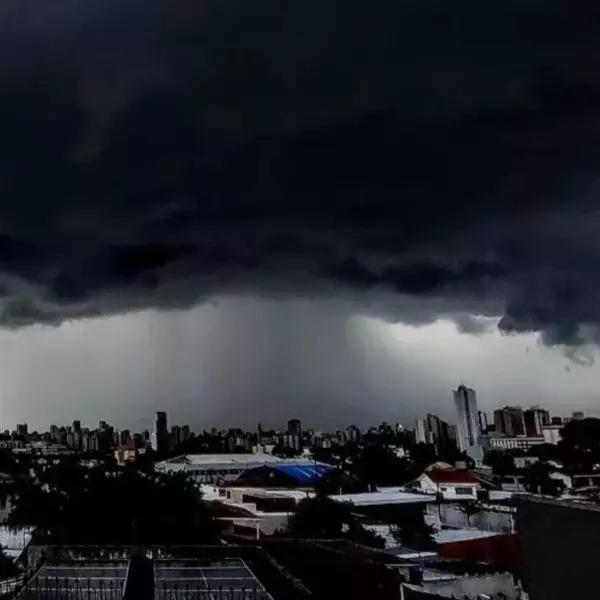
(382, 498)
(303, 473)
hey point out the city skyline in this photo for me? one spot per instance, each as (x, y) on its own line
(200, 371)
(314, 221)
(422, 426)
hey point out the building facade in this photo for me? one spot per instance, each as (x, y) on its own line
(467, 426)
(510, 421)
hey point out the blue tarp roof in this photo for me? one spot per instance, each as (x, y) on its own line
(304, 474)
(301, 473)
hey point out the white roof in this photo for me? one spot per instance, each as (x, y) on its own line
(446, 536)
(218, 462)
(272, 492)
(237, 459)
(383, 497)
(14, 540)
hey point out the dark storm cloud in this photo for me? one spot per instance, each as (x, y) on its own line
(157, 154)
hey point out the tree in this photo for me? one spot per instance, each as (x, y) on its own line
(379, 465)
(580, 444)
(502, 463)
(469, 509)
(323, 518)
(413, 533)
(119, 507)
(538, 481)
(8, 568)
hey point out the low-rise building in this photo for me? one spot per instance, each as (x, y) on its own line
(449, 484)
(213, 468)
(500, 442)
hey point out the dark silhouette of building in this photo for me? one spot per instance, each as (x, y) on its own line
(294, 427)
(509, 421)
(535, 420)
(160, 435)
(560, 542)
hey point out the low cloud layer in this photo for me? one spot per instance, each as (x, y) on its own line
(422, 159)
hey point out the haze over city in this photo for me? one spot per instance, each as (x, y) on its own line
(234, 362)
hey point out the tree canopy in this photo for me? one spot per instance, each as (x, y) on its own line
(78, 505)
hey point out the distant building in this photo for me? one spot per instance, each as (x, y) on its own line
(578, 415)
(210, 468)
(160, 435)
(509, 442)
(509, 421)
(22, 430)
(536, 419)
(76, 425)
(294, 427)
(552, 434)
(467, 426)
(422, 436)
(432, 430)
(483, 422)
(185, 432)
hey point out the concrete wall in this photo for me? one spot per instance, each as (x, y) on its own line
(450, 515)
(560, 543)
(474, 587)
(449, 490)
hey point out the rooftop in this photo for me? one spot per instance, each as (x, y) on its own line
(220, 459)
(447, 536)
(382, 498)
(444, 476)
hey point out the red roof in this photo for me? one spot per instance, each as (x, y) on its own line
(448, 476)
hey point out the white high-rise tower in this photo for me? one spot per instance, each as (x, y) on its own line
(468, 421)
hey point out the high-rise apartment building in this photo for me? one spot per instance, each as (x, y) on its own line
(467, 425)
(294, 427)
(160, 435)
(510, 421)
(536, 419)
(432, 430)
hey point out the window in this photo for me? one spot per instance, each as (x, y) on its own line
(444, 489)
(464, 491)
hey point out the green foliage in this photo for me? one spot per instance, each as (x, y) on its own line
(538, 481)
(323, 518)
(580, 444)
(413, 533)
(502, 463)
(80, 505)
(8, 568)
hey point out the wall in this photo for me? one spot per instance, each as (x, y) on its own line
(502, 552)
(560, 545)
(449, 493)
(450, 515)
(473, 587)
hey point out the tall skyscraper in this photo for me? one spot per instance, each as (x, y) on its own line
(432, 430)
(160, 435)
(421, 433)
(467, 425)
(536, 419)
(295, 426)
(510, 420)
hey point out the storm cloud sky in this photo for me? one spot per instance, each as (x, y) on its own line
(409, 161)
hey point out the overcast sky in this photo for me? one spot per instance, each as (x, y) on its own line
(236, 361)
(242, 211)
